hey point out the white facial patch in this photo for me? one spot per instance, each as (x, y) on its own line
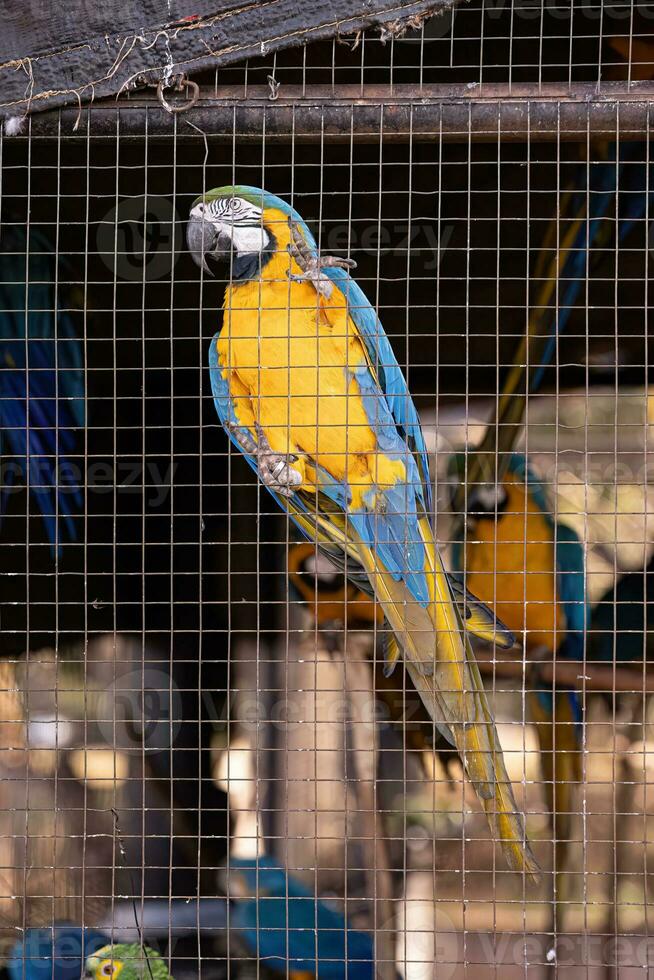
(490, 497)
(239, 219)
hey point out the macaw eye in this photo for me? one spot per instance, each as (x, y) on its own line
(107, 970)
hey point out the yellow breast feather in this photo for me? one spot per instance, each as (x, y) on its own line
(510, 564)
(286, 352)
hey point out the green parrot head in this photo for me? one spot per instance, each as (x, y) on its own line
(246, 224)
(126, 961)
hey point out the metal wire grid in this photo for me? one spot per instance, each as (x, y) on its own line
(185, 593)
(481, 43)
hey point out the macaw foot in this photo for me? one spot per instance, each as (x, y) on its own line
(275, 469)
(243, 438)
(312, 265)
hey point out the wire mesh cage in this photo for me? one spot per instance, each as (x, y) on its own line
(243, 732)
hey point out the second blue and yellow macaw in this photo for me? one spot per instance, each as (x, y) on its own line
(307, 386)
(530, 569)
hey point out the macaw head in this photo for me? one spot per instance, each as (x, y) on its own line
(244, 224)
(327, 593)
(126, 961)
(484, 500)
(487, 500)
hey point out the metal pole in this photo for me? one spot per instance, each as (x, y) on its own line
(450, 113)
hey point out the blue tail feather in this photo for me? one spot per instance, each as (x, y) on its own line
(605, 182)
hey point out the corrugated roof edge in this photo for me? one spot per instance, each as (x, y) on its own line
(111, 63)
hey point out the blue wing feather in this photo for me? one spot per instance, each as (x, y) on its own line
(289, 928)
(571, 584)
(605, 180)
(390, 378)
(41, 382)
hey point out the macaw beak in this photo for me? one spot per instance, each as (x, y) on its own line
(203, 239)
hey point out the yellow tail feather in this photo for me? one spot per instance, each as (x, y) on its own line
(560, 760)
(505, 821)
(443, 670)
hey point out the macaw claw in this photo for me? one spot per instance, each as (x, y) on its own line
(312, 265)
(278, 474)
(275, 469)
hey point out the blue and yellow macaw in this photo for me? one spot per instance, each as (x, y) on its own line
(611, 197)
(282, 922)
(333, 600)
(527, 567)
(307, 386)
(530, 569)
(41, 383)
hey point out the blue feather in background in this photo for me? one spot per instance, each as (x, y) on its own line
(41, 384)
(53, 952)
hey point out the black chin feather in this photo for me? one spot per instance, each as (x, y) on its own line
(249, 266)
